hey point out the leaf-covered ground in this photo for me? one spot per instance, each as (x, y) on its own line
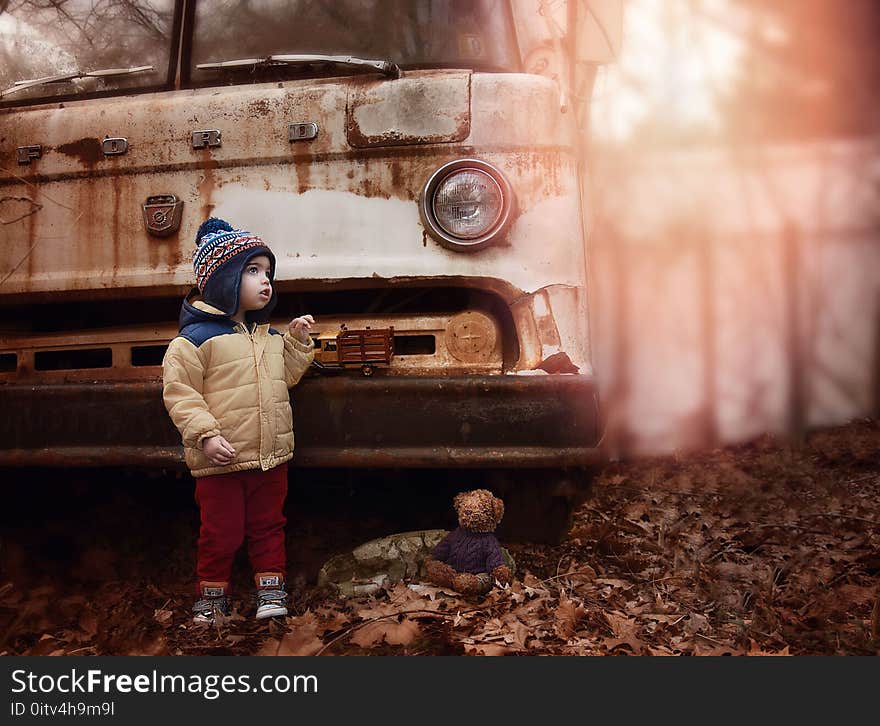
(770, 548)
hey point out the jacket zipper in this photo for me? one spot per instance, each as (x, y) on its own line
(259, 390)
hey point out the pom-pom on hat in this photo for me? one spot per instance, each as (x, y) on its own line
(219, 258)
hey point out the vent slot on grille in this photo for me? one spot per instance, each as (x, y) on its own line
(62, 360)
(148, 355)
(414, 345)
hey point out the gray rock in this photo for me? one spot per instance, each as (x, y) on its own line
(385, 561)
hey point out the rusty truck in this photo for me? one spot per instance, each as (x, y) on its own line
(416, 165)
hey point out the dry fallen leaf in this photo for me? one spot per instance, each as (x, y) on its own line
(44, 646)
(389, 630)
(756, 650)
(612, 582)
(432, 593)
(163, 617)
(569, 614)
(533, 587)
(696, 623)
(329, 619)
(626, 631)
(517, 633)
(301, 640)
(488, 649)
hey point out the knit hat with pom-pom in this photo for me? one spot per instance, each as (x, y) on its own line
(220, 257)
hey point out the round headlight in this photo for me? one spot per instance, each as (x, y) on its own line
(466, 204)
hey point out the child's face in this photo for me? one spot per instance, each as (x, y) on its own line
(256, 290)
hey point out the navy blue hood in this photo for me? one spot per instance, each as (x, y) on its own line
(190, 314)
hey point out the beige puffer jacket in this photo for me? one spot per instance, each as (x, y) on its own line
(221, 378)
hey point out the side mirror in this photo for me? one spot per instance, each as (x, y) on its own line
(566, 41)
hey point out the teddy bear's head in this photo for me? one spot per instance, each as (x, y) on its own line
(478, 510)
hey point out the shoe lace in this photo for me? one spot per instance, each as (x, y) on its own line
(212, 605)
(272, 597)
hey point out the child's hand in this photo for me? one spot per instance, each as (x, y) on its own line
(300, 327)
(218, 450)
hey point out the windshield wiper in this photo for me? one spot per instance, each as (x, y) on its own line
(387, 68)
(73, 75)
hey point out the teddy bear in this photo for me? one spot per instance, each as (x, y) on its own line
(469, 559)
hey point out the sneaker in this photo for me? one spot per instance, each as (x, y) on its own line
(271, 595)
(214, 602)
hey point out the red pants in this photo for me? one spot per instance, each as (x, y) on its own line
(238, 505)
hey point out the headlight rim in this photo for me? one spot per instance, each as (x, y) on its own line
(463, 244)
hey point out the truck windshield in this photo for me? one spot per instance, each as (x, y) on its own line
(77, 41)
(411, 33)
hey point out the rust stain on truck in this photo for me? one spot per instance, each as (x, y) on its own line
(207, 183)
(88, 151)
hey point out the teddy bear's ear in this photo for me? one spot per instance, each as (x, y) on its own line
(498, 506)
(458, 501)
